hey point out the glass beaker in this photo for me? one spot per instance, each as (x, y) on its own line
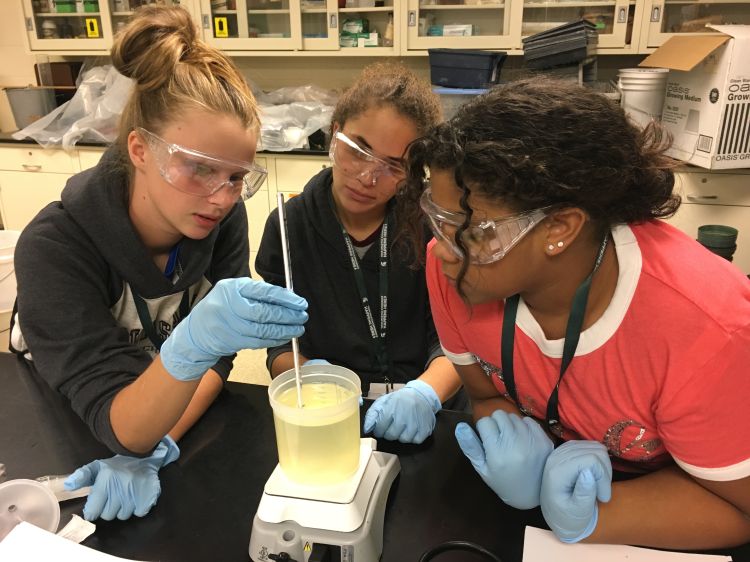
(318, 444)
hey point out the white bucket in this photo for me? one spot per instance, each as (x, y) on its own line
(8, 239)
(642, 92)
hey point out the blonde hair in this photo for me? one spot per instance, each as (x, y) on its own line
(175, 70)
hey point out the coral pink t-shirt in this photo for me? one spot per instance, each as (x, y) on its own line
(664, 373)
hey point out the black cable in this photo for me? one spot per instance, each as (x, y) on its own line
(430, 553)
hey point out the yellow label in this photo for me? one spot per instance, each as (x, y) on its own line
(307, 548)
(92, 27)
(221, 29)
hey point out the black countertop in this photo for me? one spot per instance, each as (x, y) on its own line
(210, 494)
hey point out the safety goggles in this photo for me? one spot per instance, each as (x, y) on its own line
(200, 174)
(487, 241)
(359, 162)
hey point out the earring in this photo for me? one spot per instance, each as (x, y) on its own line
(560, 244)
(550, 247)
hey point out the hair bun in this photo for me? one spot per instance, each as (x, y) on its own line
(152, 43)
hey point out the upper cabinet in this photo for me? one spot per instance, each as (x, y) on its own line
(64, 25)
(666, 18)
(380, 27)
(77, 26)
(462, 24)
(614, 19)
(366, 27)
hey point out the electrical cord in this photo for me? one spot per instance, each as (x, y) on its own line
(430, 553)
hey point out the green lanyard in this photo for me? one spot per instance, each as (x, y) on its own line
(148, 324)
(378, 334)
(572, 335)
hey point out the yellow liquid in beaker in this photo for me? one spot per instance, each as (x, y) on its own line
(322, 449)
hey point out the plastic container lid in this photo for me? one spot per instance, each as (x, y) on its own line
(30, 501)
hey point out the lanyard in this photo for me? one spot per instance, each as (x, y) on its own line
(572, 335)
(148, 324)
(377, 335)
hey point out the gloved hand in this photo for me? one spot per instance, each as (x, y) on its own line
(576, 474)
(510, 456)
(316, 362)
(324, 362)
(122, 485)
(236, 314)
(406, 415)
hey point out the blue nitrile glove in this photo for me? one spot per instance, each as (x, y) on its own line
(324, 362)
(576, 474)
(406, 415)
(236, 314)
(122, 486)
(316, 362)
(510, 456)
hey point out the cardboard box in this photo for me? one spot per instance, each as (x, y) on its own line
(707, 100)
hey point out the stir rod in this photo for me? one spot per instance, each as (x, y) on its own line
(288, 277)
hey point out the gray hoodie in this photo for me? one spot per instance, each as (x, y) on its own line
(78, 264)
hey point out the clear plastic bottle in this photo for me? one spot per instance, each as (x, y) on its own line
(388, 35)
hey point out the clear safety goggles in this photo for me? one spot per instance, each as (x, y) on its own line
(200, 174)
(359, 162)
(487, 241)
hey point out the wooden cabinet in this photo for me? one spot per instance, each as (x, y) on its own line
(30, 178)
(614, 19)
(24, 194)
(315, 26)
(84, 27)
(716, 198)
(458, 24)
(665, 18)
(404, 27)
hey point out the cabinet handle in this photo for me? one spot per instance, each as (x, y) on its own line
(412, 18)
(29, 24)
(31, 167)
(333, 21)
(702, 197)
(206, 22)
(656, 14)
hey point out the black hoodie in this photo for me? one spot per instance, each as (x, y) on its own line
(322, 273)
(77, 265)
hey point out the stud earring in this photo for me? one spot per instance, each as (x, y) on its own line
(560, 244)
(550, 247)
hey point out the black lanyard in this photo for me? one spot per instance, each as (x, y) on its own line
(572, 335)
(377, 335)
(148, 324)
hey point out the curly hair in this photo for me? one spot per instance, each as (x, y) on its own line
(542, 142)
(390, 84)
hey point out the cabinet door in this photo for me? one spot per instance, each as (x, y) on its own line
(251, 25)
(293, 173)
(678, 17)
(121, 10)
(716, 198)
(24, 194)
(384, 20)
(68, 25)
(320, 25)
(613, 18)
(467, 24)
